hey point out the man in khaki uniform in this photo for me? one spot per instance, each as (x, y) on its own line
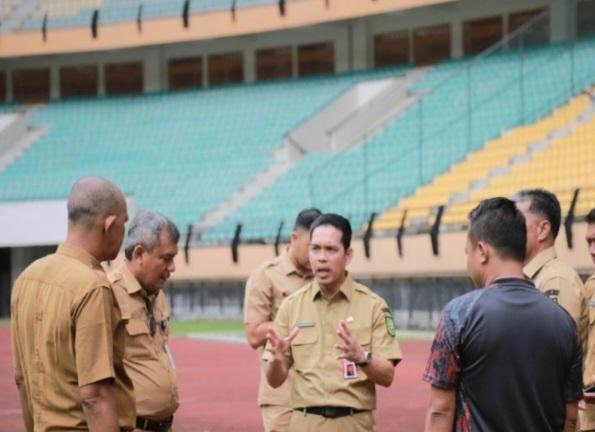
(551, 276)
(337, 335)
(266, 288)
(149, 249)
(67, 332)
(589, 375)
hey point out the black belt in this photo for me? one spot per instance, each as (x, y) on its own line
(154, 425)
(330, 411)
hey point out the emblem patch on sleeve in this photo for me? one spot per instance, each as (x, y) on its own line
(553, 294)
(390, 325)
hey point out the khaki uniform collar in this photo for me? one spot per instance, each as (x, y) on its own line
(129, 282)
(347, 288)
(79, 255)
(287, 265)
(541, 259)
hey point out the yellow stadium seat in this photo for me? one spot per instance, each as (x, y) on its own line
(566, 164)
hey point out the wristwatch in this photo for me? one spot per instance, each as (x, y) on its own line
(367, 359)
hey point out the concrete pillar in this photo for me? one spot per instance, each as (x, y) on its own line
(562, 20)
(249, 65)
(54, 82)
(294, 61)
(342, 55)
(359, 44)
(9, 92)
(101, 79)
(456, 39)
(152, 71)
(205, 69)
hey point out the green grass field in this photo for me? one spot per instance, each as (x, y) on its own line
(183, 328)
(236, 328)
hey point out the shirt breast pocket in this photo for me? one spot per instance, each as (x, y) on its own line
(363, 335)
(136, 327)
(303, 349)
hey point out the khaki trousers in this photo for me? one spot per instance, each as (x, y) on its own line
(361, 422)
(586, 418)
(275, 418)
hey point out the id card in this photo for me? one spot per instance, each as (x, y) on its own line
(349, 369)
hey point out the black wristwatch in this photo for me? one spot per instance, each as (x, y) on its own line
(367, 359)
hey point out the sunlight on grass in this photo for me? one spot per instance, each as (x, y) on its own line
(181, 328)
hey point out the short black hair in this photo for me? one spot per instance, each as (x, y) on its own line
(545, 204)
(305, 218)
(590, 218)
(336, 221)
(498, 222)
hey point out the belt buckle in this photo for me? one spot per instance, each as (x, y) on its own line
(330, 412)
(165, 425)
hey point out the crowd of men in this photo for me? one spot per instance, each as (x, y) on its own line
(90, 350)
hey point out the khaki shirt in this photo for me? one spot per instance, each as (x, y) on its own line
(266, 288)
(67, 332)
(589, 375)
(562, 284)
(587, 418)
(148, 360)
(319, 378)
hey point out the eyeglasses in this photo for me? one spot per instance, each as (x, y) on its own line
(152, 322)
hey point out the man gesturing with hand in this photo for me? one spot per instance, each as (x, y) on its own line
(338, 336)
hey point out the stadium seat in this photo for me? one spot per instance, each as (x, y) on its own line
(476, 166)
(177, 152)
(398, 161)
(563, 167)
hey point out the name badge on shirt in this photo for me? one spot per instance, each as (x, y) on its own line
(349, 369)
(305, 324)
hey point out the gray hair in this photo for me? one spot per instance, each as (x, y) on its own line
(91, 198)
(145, 229)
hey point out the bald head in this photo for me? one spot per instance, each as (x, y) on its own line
(91, 199)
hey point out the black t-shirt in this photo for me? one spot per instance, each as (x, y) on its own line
(512, 355)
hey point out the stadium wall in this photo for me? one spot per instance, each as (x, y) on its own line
(416, 286)
(214, 263)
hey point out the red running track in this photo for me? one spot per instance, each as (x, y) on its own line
(218, 384)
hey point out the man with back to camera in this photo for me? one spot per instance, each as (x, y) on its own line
(589, 374)
(67, 331)
(150, 248)
(337, 335)
(266, 288)
(551, 275)
(504, 358)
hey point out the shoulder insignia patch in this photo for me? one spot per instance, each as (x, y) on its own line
(553, 294)
(390, 325)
